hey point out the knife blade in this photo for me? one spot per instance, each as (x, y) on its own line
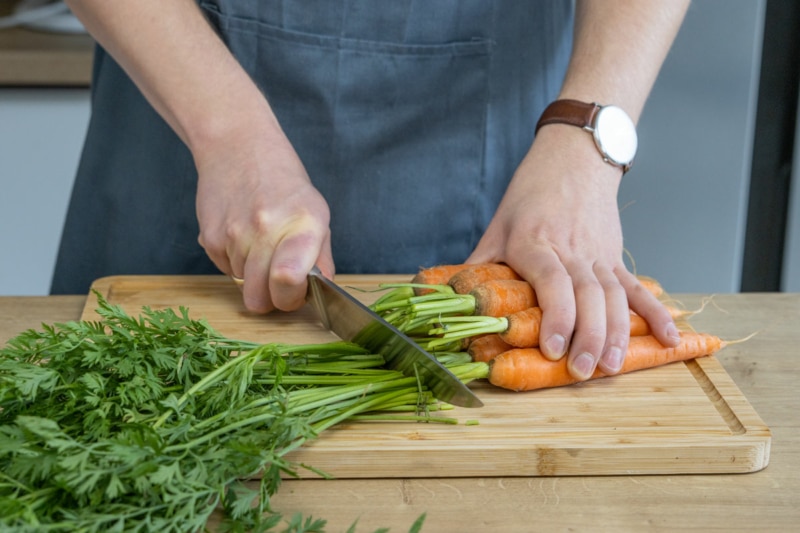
(353, 321)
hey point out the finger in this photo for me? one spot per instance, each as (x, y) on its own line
(217, 254)
(618, 322)
(325, 259)
(556, 297)
(237, 249)
(255, 293)
(645, 304)
(293, 259)
(590, 323)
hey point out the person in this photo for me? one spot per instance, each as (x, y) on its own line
(259, 138)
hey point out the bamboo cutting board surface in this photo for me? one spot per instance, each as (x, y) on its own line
(683, 418)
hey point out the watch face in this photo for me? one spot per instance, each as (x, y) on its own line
(615, 135)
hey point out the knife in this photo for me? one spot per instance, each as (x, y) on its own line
(353, 321)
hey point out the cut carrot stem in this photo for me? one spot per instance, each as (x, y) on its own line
(467, 279)
(503, 297)
(459, 327)
(524, 369)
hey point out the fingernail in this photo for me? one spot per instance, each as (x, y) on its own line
(672, 332)
(583, 365)
(555, 346)
(613, 359)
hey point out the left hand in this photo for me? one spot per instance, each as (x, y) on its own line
(558, 226)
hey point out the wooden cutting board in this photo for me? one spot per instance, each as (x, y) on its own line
(681, 418)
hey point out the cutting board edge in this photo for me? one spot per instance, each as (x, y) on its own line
(748, 456)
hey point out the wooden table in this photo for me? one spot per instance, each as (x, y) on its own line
(31, 58)
(764, 368)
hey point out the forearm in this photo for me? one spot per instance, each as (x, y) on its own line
(619, 47)
(558, 224)
(259, 215)
(179, 63)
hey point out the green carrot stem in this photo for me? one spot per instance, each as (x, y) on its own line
(463, 304)
(323, 380)
(263, 417)
(408, 418)
(402, 293)
(453, 358)
(391, 299)
(217, 374)
(470, 371)
(433, 402)
(437, 344)
(348, 392)
(438, 288)
(461, 323)
(359, 407)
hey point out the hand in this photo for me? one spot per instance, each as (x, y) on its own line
(261, 219)
(558, 226)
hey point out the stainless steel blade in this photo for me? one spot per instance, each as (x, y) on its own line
(353, 321)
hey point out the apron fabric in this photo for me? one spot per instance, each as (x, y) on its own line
(410, 117)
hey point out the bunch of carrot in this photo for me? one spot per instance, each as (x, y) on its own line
(491, 312)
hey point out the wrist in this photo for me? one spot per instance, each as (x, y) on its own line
(234, 116)
(573, 150)
(611, 129)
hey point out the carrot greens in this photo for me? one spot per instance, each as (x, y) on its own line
(150, 423)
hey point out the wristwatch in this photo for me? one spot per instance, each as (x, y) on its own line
(613, 130)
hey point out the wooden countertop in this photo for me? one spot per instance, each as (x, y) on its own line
(764, 368)
(31, 58)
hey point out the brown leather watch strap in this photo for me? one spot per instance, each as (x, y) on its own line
(570, 112)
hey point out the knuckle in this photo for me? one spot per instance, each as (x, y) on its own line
(285, 274)
(262, 223)
(587, 284)
(593, 338)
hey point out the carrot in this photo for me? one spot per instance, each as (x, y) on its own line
(472, 276)
(523, 328)
(436, 275)
(651, 285)
(487, 347)
(524, 369)
(503, 297)
(639, 326)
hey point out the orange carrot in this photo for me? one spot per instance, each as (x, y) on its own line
(524, 369)
(503, 297)
(651, 285)
(523, 328)
(639, 326)
(436, 275)
(487, 347)
(472, 276)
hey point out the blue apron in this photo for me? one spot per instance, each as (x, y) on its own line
(410, 117)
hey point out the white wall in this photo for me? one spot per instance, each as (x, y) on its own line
(41, 135)
(684, 203)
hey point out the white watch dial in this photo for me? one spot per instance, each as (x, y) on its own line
(615, 135)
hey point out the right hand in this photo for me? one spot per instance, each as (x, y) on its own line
(261, 219)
